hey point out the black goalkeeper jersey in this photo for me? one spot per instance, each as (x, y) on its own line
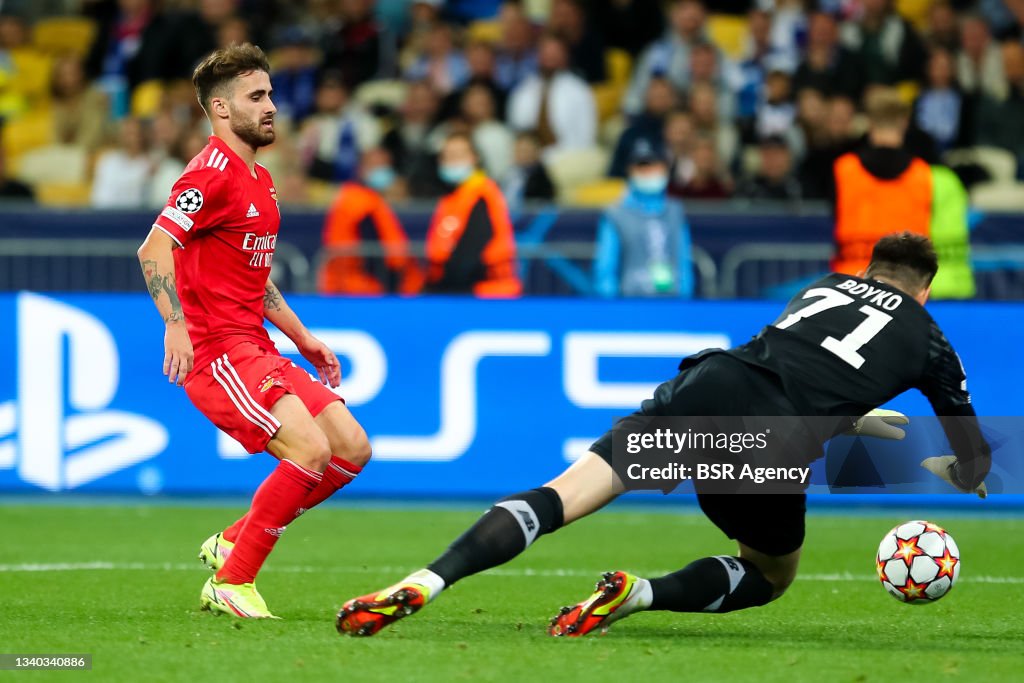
(846, 345)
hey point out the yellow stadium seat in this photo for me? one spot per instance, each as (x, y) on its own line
(147, 98)
(63, 194)
(608, 95)
(571, 168)
(63, 35)
(729, 33)
(34, 129)
(320, 193)
(31, 78)
(484, 31)
(385, 93)
(915, 11)
(597, 193)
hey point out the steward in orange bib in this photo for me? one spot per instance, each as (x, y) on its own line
(367, 249)
(470, 245)
(883, 189)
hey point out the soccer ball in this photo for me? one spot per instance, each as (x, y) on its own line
(918, 562)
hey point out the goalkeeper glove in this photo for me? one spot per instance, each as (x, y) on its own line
(881, 424)
(944, 467)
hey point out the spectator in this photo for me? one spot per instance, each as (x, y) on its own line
(839, 137)
(777, 114)
(679, 135)
(812, 118)
(979, 66)
(440, 64)
(80, 111)
(11, 189)
(827, 66)
(704, 107)
(414, 141)
(943, 26)
(586, 45)
(889, 48)
(294, 76)
(648, 125)
(789, 26)
(940, 110)
(186, 146)
(354, 50)
(374, 256)
(173, 42)
(709, 179)
(123, 174)
(491, 137)
(630, 25)
(760, 57)
(233, 31)
(480, 58)
(670, 56)
(470, 244)
(705, 67)
(555, 102)
(643, 242)
(517, 57)
(774, 179)
(998, 121)
(527, 179)
(331, 139)
(118, 41)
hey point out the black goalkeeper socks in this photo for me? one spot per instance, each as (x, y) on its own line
(712, 584)
(504, 531)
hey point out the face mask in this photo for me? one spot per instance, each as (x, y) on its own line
(454, 174)
(381, 178)
(650, 184)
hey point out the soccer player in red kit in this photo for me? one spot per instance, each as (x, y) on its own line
(207, 266)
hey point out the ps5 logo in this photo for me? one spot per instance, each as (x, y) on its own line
(60, 433)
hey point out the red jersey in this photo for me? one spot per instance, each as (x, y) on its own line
(226, 222)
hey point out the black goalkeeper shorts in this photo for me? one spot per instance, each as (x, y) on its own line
(719, 384)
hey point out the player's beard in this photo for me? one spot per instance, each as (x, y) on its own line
(249, 131)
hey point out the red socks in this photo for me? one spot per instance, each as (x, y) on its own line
(339, 472)
(274, 506)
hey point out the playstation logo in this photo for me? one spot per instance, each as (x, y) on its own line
(59, 433)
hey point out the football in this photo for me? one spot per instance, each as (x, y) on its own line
(918, 562)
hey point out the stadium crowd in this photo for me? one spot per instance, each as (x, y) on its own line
(749, 99)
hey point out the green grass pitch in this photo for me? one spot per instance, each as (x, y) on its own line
(122, 583)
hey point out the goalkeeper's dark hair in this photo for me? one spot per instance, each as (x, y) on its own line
(905, 257)
(212, 76)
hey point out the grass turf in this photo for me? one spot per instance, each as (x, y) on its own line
(141, 621)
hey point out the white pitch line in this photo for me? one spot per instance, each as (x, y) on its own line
(29, 567)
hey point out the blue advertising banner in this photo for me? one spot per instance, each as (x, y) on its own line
(461, 398)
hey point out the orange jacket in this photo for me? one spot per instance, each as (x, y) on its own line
(360, 215)
(869, 208)
(470, 244)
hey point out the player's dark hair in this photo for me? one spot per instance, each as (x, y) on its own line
(222, 66)
(905, 257)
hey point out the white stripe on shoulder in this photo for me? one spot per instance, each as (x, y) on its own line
(214, 157)
(224, 163)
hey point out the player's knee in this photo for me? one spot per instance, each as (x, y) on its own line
(359, 451)
(780, 581)
(313, 450)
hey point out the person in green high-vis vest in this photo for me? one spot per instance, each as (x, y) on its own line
(949, 234)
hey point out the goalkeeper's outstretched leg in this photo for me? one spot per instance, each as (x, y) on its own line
(506, 530)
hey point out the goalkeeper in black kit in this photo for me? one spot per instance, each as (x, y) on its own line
(843, 346)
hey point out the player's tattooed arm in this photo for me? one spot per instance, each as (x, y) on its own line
(162, 283)
(272, 300)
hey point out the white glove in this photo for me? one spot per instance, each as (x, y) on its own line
(942, 466)
(881, 424)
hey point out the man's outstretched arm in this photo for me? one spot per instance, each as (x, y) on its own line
(157, 261)
(277, 311)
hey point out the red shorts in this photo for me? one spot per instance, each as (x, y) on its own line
(236, 392)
